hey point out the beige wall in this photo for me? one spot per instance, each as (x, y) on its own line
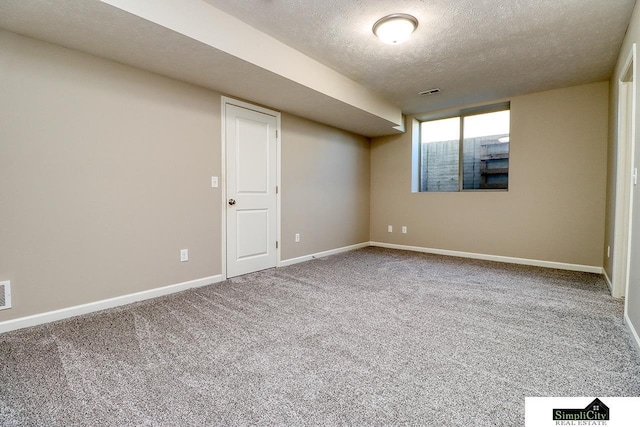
(554, 209)
(325, 175)
(105, 175)
(633, 295)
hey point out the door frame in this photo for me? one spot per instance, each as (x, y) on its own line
(625, 146)
(223, 181)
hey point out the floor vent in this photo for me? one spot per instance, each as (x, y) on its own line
(5, 295)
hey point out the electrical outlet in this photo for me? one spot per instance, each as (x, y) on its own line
(404, 229)
(297, 237)
(390, 228)
(184, 255)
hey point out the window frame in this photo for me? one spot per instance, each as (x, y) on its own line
(467, 112)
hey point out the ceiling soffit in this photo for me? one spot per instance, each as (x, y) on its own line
(202, 45)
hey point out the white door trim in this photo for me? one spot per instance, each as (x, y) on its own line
(624, 165)
(223, 182)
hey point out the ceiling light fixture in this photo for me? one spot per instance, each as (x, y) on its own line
(395, 28)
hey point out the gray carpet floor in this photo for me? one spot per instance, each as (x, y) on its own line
(370, 337)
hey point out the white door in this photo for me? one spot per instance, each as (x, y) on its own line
(251, 170)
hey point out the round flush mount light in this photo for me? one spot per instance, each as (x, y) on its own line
(395, 28)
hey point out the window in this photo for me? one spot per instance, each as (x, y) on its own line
(467, 152)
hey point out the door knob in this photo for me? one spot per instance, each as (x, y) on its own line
(232, 202)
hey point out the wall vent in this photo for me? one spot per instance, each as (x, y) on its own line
(5, 295)
(430, 92)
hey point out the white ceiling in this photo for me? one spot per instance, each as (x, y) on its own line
(474, 50)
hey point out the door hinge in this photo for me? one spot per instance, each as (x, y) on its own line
(634, 175)
(276, 189)
(276, 244)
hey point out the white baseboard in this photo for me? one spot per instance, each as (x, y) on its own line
(65, 313)
(606, 278)
(297, 260)
(632, 329)
(498, 258)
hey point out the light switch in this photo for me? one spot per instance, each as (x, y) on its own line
(214, 181)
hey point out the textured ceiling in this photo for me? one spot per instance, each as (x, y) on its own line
(474, 50)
